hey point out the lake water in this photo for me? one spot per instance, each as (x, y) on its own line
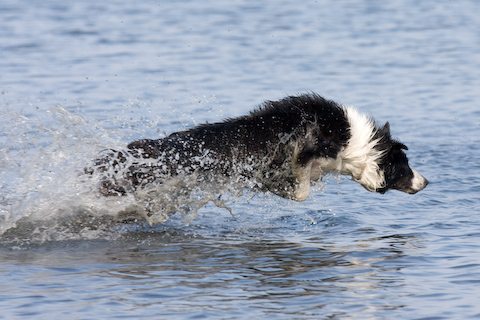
(78, 77)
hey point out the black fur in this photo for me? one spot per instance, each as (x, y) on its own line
(259, 146)
(270, 147)
(394, 162)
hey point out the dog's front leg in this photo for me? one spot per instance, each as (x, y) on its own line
(301, 174)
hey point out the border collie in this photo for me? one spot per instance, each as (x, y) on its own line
(280, 147)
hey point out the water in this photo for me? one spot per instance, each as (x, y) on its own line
(79, 77)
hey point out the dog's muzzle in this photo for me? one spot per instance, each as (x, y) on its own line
(418, 183)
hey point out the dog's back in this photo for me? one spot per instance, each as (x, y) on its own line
(279, 147)
(258, 146)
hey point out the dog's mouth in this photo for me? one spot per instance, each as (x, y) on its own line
(413, 191)
(408, 185)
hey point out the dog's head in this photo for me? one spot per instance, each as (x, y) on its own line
(394, 166)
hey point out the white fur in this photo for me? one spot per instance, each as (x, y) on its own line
(303, 177)
(360, 158)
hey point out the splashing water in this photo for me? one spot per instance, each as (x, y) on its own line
(46, 195)
(41, 157)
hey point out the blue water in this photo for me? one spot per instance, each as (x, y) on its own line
(78, 77)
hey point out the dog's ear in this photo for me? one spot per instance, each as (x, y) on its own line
(399, 146)
(404, 147)
(386, 128)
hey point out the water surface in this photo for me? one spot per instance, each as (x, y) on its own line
(81, 77)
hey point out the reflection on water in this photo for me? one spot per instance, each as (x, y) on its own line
(186, 273)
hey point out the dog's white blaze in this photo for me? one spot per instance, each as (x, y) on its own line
(360, 158)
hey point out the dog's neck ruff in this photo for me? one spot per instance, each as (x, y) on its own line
(360, 158)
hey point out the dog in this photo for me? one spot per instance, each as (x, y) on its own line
(282, 147)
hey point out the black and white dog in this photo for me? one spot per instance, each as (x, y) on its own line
(282, 147)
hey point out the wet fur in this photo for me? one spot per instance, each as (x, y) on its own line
(281, 147)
